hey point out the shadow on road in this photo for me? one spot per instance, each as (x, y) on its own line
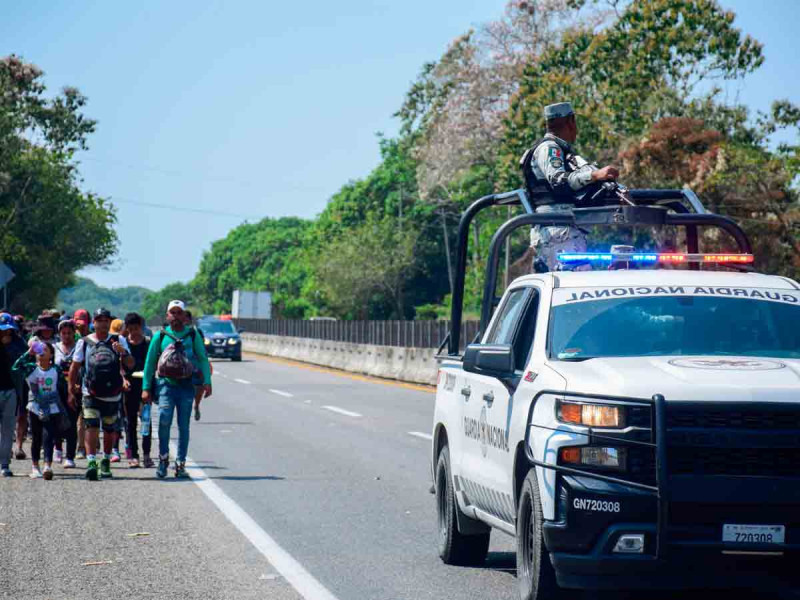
(504, 562)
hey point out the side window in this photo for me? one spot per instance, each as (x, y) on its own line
(524, 340)
(506, 323)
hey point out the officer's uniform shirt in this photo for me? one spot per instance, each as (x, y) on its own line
(564, 174)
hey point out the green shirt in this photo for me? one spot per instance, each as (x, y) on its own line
(197, 354)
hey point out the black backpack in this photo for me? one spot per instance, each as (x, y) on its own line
(102, 376)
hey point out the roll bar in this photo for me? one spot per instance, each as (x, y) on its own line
(680, 208)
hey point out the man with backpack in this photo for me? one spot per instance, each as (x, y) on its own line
(176, 353)
(103, 357)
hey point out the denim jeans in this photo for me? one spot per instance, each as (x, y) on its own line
(8, 412)
(170, 398)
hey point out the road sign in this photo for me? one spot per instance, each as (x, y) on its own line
(6, 274)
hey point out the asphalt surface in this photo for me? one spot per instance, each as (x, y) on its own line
(332, 467)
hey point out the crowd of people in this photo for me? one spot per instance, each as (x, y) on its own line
(64, 378)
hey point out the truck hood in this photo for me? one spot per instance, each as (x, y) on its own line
(726, 378)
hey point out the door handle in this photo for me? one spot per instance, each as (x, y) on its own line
(466, 391)
(488, 397)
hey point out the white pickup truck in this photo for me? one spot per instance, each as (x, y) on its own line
(633, 428)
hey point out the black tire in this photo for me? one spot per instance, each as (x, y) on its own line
(455, 548)
(536, 577)
(237, 358)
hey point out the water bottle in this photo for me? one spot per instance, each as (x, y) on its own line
(37, 347)
(146, 419)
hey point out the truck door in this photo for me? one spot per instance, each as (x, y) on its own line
(487, 458)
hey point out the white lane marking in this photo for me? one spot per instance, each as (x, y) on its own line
(300, 579)
(242, 381)
(218, 372)
(341, 411)
(284, 394)
(419, 434)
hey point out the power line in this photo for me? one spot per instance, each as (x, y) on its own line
(205, 211)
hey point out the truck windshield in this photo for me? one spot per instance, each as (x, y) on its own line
(212, 327)
(585, 324)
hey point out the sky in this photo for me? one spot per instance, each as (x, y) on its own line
(234, 111)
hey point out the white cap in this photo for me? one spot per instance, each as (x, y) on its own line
(554, 111)
(176, 303)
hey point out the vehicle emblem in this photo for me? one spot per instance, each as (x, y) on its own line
(728, 364)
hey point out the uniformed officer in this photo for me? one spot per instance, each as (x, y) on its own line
(566, 174)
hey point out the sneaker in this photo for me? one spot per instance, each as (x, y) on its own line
(197, 413)
(115, 457)
(58, 456)
(161, 472)
(48, 473)
(91, 470)
(105, 468)
(69, 464)
(6, 472)
(81, 454)
(20, 454)
(148, 463)
(180, 471)
(133, 463)
(35, 473)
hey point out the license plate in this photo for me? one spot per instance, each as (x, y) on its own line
(219, 350)
(753, 534)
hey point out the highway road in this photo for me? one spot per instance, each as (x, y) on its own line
(306, 483)
(336, 470)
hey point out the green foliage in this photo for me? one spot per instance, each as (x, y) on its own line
(87, 294)
(267, 256)
(49, 227)
(154, 305)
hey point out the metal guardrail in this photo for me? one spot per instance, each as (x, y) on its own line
(406, 334)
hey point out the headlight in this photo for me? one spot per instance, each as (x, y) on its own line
(595, 456)
(233, 341)
(207, 342)
(591, 415)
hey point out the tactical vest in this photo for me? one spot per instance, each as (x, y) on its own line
(539, 190)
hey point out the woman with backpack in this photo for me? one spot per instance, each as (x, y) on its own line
(174, 354)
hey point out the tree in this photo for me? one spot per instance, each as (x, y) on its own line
(50, 227)
(155, 304)
(375, 258)
(87, 294)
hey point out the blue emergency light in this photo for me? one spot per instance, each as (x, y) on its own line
(654, 257)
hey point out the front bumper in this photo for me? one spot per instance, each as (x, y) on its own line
(224, 350)
(692, 555)
(712, 464)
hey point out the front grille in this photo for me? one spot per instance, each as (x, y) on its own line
(753, 462)
(639, 416)
(641, 465)
(732, 417)
(698, 513)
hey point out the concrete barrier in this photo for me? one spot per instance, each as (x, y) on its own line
(415, 365)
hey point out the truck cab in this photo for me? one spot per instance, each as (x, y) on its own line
(632, 428)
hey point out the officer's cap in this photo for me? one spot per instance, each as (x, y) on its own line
(555, 111)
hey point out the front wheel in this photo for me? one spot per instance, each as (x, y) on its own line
(535, 574)
(455, 548)
(237, 358)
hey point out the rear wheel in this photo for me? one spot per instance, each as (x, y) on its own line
(455, 548)
(237, 358)
(535, 574)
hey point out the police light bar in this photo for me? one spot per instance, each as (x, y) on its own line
(655, 257)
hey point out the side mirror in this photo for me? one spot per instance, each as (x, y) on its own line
(493, 360)
(240, 330)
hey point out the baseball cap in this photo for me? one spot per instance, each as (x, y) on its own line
(176, 304)
(7, 322)
(45, 321)
(81, 316)
(117, 325)
(102, 313)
